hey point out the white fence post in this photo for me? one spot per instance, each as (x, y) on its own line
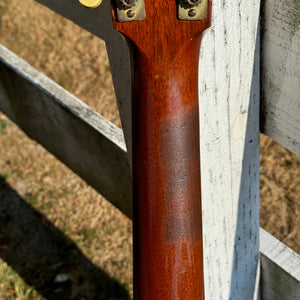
(229, 137)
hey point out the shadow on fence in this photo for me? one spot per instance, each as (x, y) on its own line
(38, 252)
(246, 245)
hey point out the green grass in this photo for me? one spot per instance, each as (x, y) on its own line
(3, 126)
(13, 287)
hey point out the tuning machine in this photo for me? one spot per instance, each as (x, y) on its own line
(130, 10)
(192, 9)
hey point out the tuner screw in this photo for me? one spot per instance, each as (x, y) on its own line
(91, 3)
(130, 14)
(128, 3)
(192, 13)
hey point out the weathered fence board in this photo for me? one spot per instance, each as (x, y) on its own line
(281, 72)
(280, 265)
(86, 142)
(229, 138)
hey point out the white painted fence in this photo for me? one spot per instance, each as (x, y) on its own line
(229, 88)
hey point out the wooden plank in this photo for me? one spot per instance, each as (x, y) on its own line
(98, 21)
(281, 72)
(229, 138)
(90, 145)
(280, 269)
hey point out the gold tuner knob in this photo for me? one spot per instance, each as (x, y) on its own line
(90, 3)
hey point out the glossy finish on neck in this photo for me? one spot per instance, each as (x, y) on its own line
(168, 259)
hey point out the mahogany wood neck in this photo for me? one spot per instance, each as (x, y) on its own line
(167, 222)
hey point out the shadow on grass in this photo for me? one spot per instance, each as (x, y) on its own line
(38, 252)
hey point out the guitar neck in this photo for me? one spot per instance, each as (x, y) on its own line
(166, 179)
(168, 254)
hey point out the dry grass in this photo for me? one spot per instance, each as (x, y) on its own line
(280, 192)
(77, 60)
(99, 229)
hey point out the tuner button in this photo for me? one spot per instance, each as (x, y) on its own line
(192, 2)
(128, 3)
(90, 3)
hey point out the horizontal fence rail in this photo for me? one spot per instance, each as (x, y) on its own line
(94, 149)
(280, 269)
(99, 23)
(86, 142)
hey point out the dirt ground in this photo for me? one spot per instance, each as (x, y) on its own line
(78, 61)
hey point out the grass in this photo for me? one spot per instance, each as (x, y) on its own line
(13, 287)
(82, 216)
(3, 125)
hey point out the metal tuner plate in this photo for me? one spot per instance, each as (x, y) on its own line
(192, 10)
(130, 10)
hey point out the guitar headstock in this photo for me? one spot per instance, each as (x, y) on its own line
(161, 21)
(134, 10)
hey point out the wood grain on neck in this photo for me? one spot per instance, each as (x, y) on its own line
(168, 259)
